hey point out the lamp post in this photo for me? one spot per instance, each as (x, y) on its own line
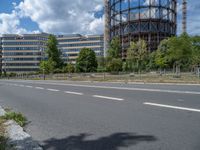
(5, 67)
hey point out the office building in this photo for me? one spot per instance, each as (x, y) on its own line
(71, 45)
(22, 53)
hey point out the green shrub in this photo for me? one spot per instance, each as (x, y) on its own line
(2, 134)
(18, 117)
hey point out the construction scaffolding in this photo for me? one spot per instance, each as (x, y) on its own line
(106, 26)
(184, 16)
(150, 20)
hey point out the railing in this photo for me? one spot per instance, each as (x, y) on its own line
(163, 77)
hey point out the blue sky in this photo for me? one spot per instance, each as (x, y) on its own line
(69, 16)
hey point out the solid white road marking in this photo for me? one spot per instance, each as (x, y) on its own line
(110, 98)
(29, 86)
(53, 90)
(173, 107)
(40, 88)
(75, 93)
(120, 88)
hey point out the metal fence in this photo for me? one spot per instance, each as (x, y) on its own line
(164, 76)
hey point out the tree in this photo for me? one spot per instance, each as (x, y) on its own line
(137, 54)
(152, 61)
(101, 63)
(47, 66)
(53, 52)
(131, 52)
(195, 51)
(180, 50)
(114, 48)
(113, 60)
(70, 68)
(86, 61)
(161, 54)
(115, 65)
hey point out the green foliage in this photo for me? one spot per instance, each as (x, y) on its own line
(195, 51)
(18, 117)
(115, 65)
(58, 70)
(101, 64)
(114, 48)
(137, 55)
(113, 61)
(151, 63)
(12, 74)
(101, 61)
(161, 58)
(70, 68)
(125, 67)
(180, 50)
(54, 54)
(86, 61)
(3, 139)
(47, 66)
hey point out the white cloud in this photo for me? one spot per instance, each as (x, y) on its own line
(10, 23)
(74, 16)
(64, 16)
(98, 7)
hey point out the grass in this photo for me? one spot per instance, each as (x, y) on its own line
(18, 117)
(3, 140)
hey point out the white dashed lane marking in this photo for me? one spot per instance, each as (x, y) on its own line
(29, 86)
(39, 88)
(172, 107)
(75, 93)
(106, 97)
(53, 90)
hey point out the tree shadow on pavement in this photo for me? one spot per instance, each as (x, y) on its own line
(111, 142)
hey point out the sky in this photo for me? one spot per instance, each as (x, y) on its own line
(70, 16)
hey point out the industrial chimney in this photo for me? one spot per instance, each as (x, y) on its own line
(106, 26)
(184, 19)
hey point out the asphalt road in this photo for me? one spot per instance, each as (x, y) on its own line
(107, 116)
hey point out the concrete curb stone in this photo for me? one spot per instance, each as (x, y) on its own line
(18, 139)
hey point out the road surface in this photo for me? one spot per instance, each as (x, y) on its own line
(107, 116)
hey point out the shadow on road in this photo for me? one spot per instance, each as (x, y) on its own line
(112, 142)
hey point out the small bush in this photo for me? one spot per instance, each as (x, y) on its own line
(18, 117)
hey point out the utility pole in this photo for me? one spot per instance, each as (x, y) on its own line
(106, 26)
(184, 16)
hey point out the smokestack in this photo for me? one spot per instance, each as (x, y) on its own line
(184, 19)
(106, 26)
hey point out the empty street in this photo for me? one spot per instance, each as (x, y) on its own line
(64, 115)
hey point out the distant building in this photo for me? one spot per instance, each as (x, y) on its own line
(132, 20)
(0, 55)
(22, 53)
(71, 45)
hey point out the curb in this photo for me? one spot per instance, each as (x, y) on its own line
(18, 139)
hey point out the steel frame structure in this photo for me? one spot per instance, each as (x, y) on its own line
(150, 20)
